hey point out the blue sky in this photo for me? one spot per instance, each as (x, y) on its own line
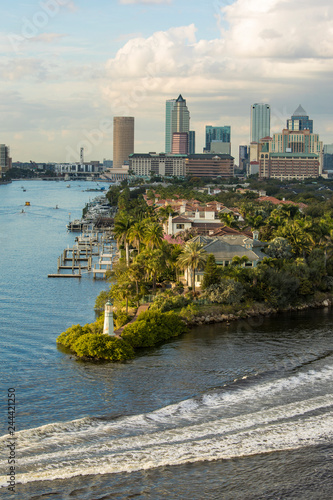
(69, 66)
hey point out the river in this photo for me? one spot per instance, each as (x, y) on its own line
(223, 412)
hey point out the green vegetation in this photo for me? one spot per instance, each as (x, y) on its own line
(297, 269)
(151, 328)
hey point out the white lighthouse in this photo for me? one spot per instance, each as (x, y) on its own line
(108, 319)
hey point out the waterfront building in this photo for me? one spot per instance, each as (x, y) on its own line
(300, 121)
(79, 170)
(5, 160)
(260, 121)
(144, 164)
(123, 140)
(116, 174)
(209, 165)
(221, 134)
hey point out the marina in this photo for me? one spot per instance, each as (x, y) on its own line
(89, 247)
(95, 242)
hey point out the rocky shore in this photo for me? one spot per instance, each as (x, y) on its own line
(255, 311)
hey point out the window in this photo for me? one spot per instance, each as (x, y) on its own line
(180, 226)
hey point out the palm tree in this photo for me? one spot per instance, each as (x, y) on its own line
(229, 219)
(136, 234)
(122, 226)
(154, 263)
(153, 235)
(164, 212)
(192, 256)
(239, 261)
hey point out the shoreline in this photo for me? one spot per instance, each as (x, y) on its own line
(255, 311)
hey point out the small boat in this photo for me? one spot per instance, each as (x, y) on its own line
(27, 203)
(56, 207)
(68, 186)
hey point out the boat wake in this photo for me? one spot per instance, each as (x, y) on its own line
(260, 416)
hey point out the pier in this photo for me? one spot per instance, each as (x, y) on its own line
(89, 245)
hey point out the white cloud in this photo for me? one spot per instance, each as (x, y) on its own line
(47, 37)
(279, 28)
(277, 51)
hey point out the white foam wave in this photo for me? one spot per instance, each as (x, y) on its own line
(102, 450)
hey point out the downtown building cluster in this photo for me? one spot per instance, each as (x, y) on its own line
(294, 153)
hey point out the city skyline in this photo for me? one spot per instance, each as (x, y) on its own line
(69, 67)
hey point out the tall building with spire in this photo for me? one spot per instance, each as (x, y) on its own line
(260, 121)
(300, 121)
(177, 120)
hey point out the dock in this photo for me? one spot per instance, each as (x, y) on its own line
(64, 275)
(90, 245)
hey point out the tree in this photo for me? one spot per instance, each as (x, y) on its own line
(212, 274)
(279, 248)
(239, 261)
(122, 225)
(153, 235)
(136, 234)
(192, 257)
(154, 263)
(227, 291)
(229, 219)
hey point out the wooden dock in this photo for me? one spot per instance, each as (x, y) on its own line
(89, 245)
(64, 275)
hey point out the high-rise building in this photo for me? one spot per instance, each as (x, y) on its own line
(5, 160)
(123, 140)
(291, 155)
(168, 124)
(328, 157)
(300, 121)
(143, 164)
(179, 143)
(191, 142)
(260, 121)
(221, 134)
(243, 156)
(177, 120)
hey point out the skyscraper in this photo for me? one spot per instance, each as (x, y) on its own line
(5, 160)
(221, 134)
(177, 119)
(300, 121)
(169, 105)
(123, 139)
(191, 142)
(179, 143)
(260, 121)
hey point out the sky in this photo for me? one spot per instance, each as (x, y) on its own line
(68, 67)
